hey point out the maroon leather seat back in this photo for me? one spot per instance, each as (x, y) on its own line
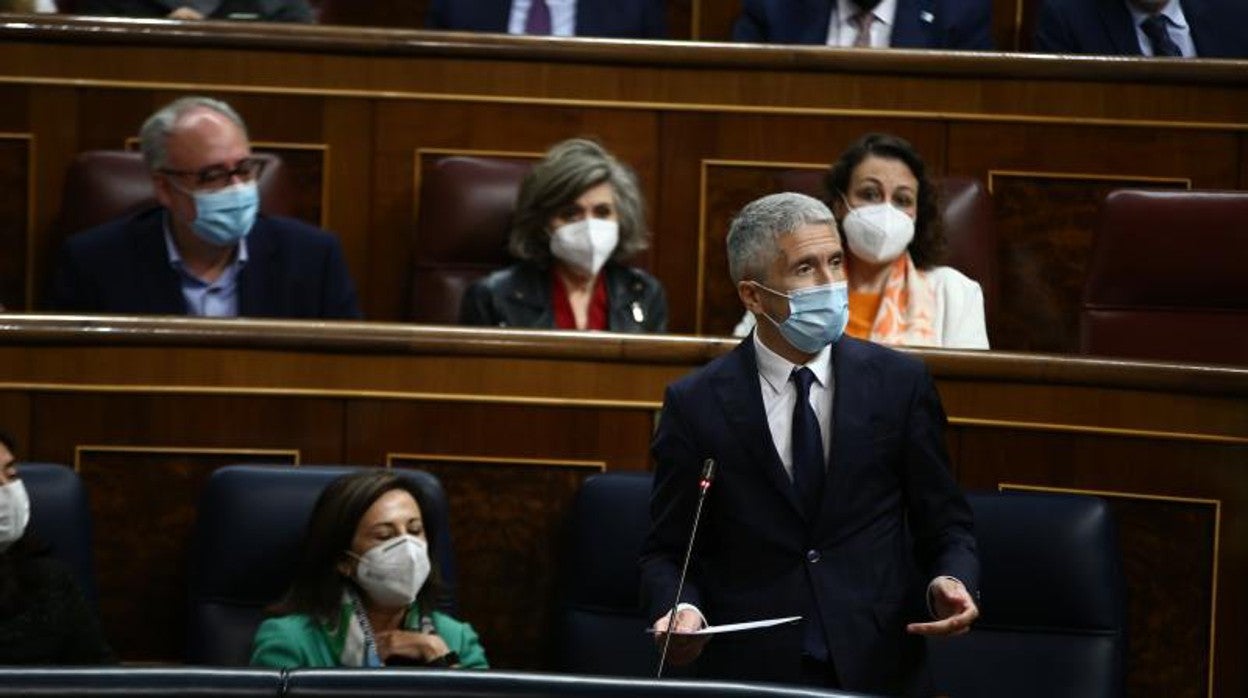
(1168, 278)
(463, 222)
(966, 218)
(105, 184)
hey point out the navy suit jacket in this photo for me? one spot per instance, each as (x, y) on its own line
(937, 24)
(1219, 27)
(891, 519)
(614, 19)
(293, 270)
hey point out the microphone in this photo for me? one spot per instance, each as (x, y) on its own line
(704, 484)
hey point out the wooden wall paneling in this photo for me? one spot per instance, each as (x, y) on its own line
(680, 18)
(618, 436)
(708, 163)
(1047, 182)
(1005, 24)
(714, 19)
(348, 135)
(16, 199)
(390, 14)
(464, 126)
(54, 120)
(15, 420)
(141, 550)
(1046, 251)
(1175, 532)
(1027, 13)
(144, 460)
(1243, 161)
(507, 518)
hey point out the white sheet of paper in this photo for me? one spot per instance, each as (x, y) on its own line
(739, 627)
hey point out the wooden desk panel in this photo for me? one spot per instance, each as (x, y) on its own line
(145, 408)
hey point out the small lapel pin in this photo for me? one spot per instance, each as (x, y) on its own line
(639, 316)
(927, 17)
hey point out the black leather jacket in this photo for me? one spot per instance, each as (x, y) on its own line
(519, 296)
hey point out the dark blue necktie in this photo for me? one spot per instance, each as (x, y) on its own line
(1154, 27)
(538, 21)
(808, 458)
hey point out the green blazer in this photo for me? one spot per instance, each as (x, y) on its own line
(299, 641)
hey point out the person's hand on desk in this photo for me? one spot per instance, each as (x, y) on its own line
(424, 648)
(952, 606)
(684, 648)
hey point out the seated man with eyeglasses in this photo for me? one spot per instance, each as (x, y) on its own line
(206, 250)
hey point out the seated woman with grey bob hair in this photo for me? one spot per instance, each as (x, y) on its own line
(579, 215)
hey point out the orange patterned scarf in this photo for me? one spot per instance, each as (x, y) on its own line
(907, 314)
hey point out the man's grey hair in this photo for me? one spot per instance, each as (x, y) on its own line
(154, 136)
(753, 233)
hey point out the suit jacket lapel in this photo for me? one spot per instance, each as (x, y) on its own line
(851, 426)
(162, 289)
(742, 401)
(1119, 27)
(907, 31)
(1198, 23)
(255, 297)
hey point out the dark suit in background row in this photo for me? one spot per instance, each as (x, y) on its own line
(1219, 27)
(935, 24)
(266, 10)
(614, 19)
(294, 270)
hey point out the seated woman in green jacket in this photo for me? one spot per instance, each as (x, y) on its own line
(365, 590)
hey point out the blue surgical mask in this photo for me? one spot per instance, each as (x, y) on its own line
(817, 315)
(225, 216)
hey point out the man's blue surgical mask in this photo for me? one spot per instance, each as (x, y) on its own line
(225, 216)
(817, 315)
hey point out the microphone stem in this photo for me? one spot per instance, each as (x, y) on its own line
(684, 570)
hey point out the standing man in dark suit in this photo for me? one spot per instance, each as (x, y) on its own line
(832, 498)
(1163, 28)
(936, 24)
(612, 19)
(205, 250)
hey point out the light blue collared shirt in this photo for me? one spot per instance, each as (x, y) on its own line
(562, 17)
(203, 299)
(1176, 26)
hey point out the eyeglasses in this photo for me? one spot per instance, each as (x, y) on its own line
(218, 176)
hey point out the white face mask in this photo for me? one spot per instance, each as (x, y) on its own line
(391, 574)
(586, 244)
(14, 512)
(878, 234)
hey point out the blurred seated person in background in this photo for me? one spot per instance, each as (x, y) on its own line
(255, 10)
(204, 251)
(366, 588)
(44, 618)
(579, 214)
(888, 220)
(1163, 28)
(934, 24)
(615, 19)
(28, 6)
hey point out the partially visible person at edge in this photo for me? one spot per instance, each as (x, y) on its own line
(44, 618)
(579, 216)
(889, 222)
(365, 591)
